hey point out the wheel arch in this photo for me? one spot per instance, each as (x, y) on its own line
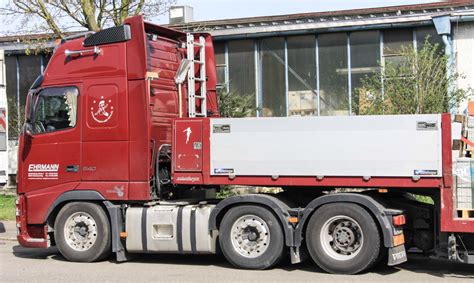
(274, 205)
(377, 210)
(70, 196)
(112, 211)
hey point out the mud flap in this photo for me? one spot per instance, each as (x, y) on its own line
(397, 255)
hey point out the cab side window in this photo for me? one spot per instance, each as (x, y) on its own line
(55, 109)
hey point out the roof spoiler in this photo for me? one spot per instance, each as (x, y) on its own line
(78, 35)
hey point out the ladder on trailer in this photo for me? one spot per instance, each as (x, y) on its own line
(200, 77)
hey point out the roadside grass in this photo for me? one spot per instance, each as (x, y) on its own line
(7, 207)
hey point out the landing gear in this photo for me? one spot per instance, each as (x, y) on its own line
(251, 237)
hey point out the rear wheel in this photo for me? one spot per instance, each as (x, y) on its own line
(343, 238)
(82, 232)
(251, 237)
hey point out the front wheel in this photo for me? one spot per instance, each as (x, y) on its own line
(82, 232)
(251, 237)
(343, 238)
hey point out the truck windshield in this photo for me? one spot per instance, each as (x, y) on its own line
(55, 109)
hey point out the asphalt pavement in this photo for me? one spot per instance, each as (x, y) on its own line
(18, 264)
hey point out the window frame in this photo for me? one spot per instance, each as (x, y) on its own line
(34, 104)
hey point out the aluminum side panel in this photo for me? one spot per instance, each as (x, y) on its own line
(389, 146)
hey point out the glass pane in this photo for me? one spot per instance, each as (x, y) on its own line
(46, 59)
(302, 95)
(365, 60)
(30, 69)
(56, 109)
(273, 77)
(3, 141)
(430, 34)
(2, 75)
(333, 74)
(13, 123)
(242, 67)
(220, 75)
(395, 39)
(219, 55)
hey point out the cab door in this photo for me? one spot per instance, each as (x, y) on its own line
(50, 152)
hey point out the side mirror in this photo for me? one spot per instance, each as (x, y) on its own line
(28, 129)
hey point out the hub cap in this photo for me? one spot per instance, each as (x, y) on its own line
(80, 231)
(341, 237)
(250, 236)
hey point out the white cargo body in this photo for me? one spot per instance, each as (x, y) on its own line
(372, 146)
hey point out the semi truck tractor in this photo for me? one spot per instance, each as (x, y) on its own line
(123, 151)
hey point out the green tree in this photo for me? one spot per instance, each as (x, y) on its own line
(418, 84)
(15, 121)
(235, 105)
(61, 16)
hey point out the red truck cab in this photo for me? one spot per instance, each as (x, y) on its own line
(98, 111)
(92, 111)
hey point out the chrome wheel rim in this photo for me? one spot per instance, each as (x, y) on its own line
(341, 238)
(250, 236)
(80, 231)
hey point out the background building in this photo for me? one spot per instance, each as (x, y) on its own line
(312, 63)
(299, 64)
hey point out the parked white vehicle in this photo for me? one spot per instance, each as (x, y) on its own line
(3, 123)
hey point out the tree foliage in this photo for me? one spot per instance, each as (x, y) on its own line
(417, 84)
(16, 116)
(235, 105)
(60, 16)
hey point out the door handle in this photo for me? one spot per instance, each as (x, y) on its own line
(72, 168)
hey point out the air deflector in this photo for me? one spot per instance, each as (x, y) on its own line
(109, 35)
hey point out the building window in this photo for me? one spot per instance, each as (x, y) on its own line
(30, 69)
(241, 67)
(22, 71)
(393, 43)
(334, 97)
(430, 34)
(302, 93)
(219, 56)
(365, 58)
(272, 56)
(12, 91)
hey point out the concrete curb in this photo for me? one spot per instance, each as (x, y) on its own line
(8, 192)
(8, 239)
(7, 231)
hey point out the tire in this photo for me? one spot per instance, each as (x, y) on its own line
(259, 233)
(88, 229)
(357, 246)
